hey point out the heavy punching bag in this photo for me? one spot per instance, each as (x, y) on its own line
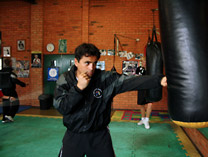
(154, 65)
(184, 36)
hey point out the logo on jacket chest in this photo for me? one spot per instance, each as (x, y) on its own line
(97, 93)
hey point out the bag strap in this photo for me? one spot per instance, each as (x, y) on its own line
(149, 38)
(154, 34)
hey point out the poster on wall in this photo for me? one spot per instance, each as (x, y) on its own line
(111, 52)
(13, 62)
(139, 56)
(53, 74)
(7, 51)
(129, 67)
(36, 60)
(100, 65)
(102, 52)
(20, 45)
(22, 68)
(122, 53)
(62, 46)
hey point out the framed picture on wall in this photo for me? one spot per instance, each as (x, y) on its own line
(13, 62)
(129, 67)
(22, 68)
(20, 45)
(7, 51)
(53, 74)
(100, 65)
(36, 60)
(62, 46)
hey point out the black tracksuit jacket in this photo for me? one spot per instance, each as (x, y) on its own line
(90, 110)
(11, 91)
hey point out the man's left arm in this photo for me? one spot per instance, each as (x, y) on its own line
(16, 81)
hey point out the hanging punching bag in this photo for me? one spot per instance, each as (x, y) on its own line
(184, 36)
(154, 65)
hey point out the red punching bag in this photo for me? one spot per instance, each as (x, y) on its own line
(184, 36)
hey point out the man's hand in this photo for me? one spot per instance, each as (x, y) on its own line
(83, 81)
(12, 99)
(164, 81)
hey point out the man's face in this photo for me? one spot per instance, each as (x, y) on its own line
(86, 65)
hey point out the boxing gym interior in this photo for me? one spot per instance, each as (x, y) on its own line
(167, 36)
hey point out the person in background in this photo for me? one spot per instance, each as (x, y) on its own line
(5, 97)
(145, 118)
(10, 96)
(1, 94)
(141, 100)
(84, 95)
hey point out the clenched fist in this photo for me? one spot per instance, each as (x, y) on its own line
(83, 81)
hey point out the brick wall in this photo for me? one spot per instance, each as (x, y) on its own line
(129, 21)
(36, 33)
(14, 25)
(78, 21)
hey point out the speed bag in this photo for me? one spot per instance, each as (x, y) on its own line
(184, 36)
(154, 65)
(5, 80)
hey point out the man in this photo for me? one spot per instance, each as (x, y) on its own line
(141, 101)
(83, 96)
(10, 96)
(7, 119)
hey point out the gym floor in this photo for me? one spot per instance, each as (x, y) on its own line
(37, 111)
(137, 140)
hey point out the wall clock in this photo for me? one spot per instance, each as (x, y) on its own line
(50, 47)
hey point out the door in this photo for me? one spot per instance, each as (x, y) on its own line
(63, 62)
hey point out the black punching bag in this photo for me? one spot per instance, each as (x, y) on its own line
(154, 65)
(184, 36)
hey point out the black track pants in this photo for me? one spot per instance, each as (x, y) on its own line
(10, 108)
(93, 144)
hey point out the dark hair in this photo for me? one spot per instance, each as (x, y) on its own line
(86, 50)
(7, 62)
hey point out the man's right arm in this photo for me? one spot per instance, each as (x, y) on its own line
(66, 99)
(132, 83)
